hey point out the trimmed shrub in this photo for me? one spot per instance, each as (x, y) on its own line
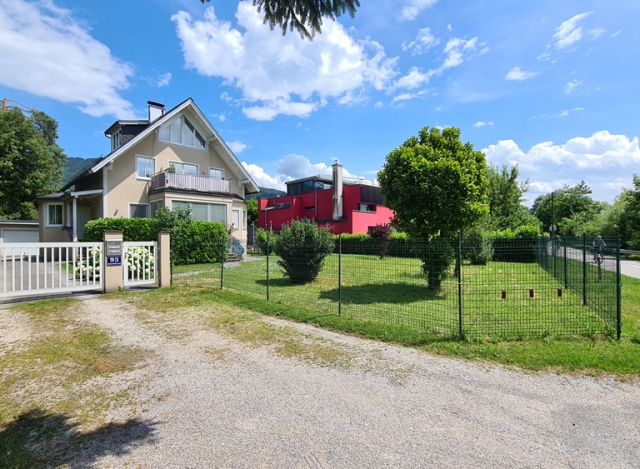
(517, 245)
(382, 233)
(262, 236)
(437, 257)
(303, 247)
(133, 229)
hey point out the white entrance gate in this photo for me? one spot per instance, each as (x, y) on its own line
(30, 269)
(140, 264)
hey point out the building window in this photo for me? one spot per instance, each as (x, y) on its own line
(155, 206)
(184, 168)
(203, 212)
(244, 219)
(216, 173)
(138, 211)
(182, 132)
(235, 218)
(116, 140)
(54, 215)
(145, 167)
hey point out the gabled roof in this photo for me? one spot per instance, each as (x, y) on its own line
(225, 152)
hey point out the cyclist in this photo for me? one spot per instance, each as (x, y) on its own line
(598, 244)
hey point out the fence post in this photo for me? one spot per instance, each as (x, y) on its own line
(222, 259)
(618, 289)
(566, 282)
(584, 269)
(163, 259)
(459, 260)
(268, 251)
(339, 274)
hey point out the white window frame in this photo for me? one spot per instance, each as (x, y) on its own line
(217, 169)
(151, 202)
(182, 133)
(138, 177)
(235, 211)
(186, 162)
(116, 140)
(148, 209)
(244, 219)
(189, 201)
(55, 204)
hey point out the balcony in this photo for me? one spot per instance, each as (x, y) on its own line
(167, 180)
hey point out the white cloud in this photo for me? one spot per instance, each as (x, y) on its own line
(414, 79)
(413, 8)
(449, 27)
(407, 96)
(482, 124)
(422, 43)
(568, 33)
(564, 113)
(379, 104)
(290, 167)
(222, 117)
(456, 49)
(616, 33)
(596, 33)
(46, 52)
(282, 74)
(236, 146)
(519, 75)
(572, 85)
(164, 80)
(599, 160)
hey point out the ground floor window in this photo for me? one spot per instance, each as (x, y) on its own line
(54, 215)
(235, 215)
(138, 211)
(155, 206)
(203, 211)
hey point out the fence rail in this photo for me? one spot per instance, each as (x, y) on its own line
(502, 288)
(140, 263)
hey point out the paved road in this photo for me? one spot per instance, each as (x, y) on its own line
(630, 268)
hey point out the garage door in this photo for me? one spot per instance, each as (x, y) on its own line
(20, 236)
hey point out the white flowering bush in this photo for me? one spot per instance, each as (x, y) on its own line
(86, 269)
(140, 263)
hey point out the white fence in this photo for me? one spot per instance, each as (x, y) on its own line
(140, 263)
(43, 268)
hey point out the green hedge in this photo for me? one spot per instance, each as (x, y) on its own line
(517, 245)
(192, 242)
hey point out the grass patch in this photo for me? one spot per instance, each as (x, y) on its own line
(47, 380)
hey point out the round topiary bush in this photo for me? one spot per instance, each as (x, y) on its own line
(302, 248)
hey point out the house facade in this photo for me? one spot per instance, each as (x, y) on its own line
(344, 206)
(173, 159)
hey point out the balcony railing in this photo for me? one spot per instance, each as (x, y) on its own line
(167, 180)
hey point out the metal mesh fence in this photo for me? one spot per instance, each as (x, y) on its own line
(456, 287)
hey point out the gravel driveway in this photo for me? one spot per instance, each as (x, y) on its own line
(213, 400)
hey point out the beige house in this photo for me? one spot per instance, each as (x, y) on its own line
(173, 159)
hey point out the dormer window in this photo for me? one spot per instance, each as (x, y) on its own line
(116, 140)
(181, 132)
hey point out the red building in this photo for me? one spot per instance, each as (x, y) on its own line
(347, 207)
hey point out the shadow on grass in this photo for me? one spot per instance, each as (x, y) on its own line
(394, 293)
(39, 439)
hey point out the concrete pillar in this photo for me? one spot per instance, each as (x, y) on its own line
(163, 258)
(113, 274)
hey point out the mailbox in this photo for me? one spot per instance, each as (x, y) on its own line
(114, 248)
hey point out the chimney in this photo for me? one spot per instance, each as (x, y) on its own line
(155, 110)
(337, 190)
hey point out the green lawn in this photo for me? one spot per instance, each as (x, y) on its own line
(392, 292)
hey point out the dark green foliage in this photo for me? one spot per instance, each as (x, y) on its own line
(435, 184)
(266, 240)
(304, 16)
(252, 212)
(517, 245)
(30, 162)
(505, 197)
(478, 248)
(438, 255)
(630, 222)
(382, 233)
(303, 247)
(133, 229)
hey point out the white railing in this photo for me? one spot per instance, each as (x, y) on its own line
(35, 268)
(169, 180)
(140, 263)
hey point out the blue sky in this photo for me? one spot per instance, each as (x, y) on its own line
(553, 86)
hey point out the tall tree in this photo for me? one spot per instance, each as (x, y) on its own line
(630, 221)
(505, 197)
(435, 184)
(30, 161)
(304, 16)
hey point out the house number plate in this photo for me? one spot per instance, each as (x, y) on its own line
(114, 260)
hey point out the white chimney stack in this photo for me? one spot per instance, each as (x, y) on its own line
(337, 190)
(155, 110)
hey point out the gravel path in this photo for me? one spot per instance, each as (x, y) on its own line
(216, 402)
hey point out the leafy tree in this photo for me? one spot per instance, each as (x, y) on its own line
(30, 162)
(505, 197)
(436, 185)
(304, 16)
(302, 248)
(630, 221)
(571, 208)
(252, 211)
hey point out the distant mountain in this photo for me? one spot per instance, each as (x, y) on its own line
(73, 166)
(266, 193)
